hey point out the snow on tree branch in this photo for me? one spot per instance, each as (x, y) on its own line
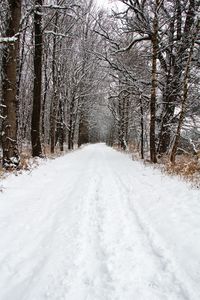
(56, 34)
(5, 40)
(136, 40)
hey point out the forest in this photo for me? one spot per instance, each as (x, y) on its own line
(99, 149)
(73, 73)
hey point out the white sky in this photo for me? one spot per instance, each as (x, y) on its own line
(109, 4)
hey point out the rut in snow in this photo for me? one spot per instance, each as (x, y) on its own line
(94, 225)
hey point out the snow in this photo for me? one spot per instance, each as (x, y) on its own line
(12, 39)
(95, 225)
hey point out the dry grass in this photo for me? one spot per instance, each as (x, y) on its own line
(1, 172)
(133, 148)
(47, 152)
(186, 167)
(27, 162)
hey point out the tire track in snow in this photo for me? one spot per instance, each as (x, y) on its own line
(94, 280)
(47, 238)
(118, 261)
(178, 278)
(85, 240)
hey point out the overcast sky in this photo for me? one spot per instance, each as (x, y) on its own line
(109, 3)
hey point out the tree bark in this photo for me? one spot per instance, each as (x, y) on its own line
(71, 123)
(83, 136)
(35, 124)
(154, 86)
(61, 125)
(54, 103)
(46, 86)
(177, 59)
(142, 129)
(9, 87)
(183, 103)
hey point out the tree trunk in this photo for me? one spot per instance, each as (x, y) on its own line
(177, 60)
(154, 85)
(60, 127)
(35, 124)
(54, 103)
(142, 129)
(9, 88)
(46, 85)
(183, 104)
(83, 136)
(21, 61)
(71, 121)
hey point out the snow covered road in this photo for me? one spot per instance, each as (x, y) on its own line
(94, 225)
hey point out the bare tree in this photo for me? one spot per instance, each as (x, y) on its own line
(184, 96)
(9, 82)
(35, 124)
(154, 41)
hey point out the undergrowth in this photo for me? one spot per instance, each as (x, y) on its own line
(27, 162)
(187, 167)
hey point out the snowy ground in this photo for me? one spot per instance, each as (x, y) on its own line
(94, 225)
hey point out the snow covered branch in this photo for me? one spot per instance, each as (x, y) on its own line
(56, 34)
(12, 39)
(52, 6)
(135, 41)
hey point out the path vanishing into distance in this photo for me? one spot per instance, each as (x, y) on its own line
(95, 225)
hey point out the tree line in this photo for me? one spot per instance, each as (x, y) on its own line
(49, 75)
(154, 55)
(72, 73)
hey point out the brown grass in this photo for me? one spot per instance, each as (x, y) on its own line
(186, 167)
(1, 172)
(27, 162)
